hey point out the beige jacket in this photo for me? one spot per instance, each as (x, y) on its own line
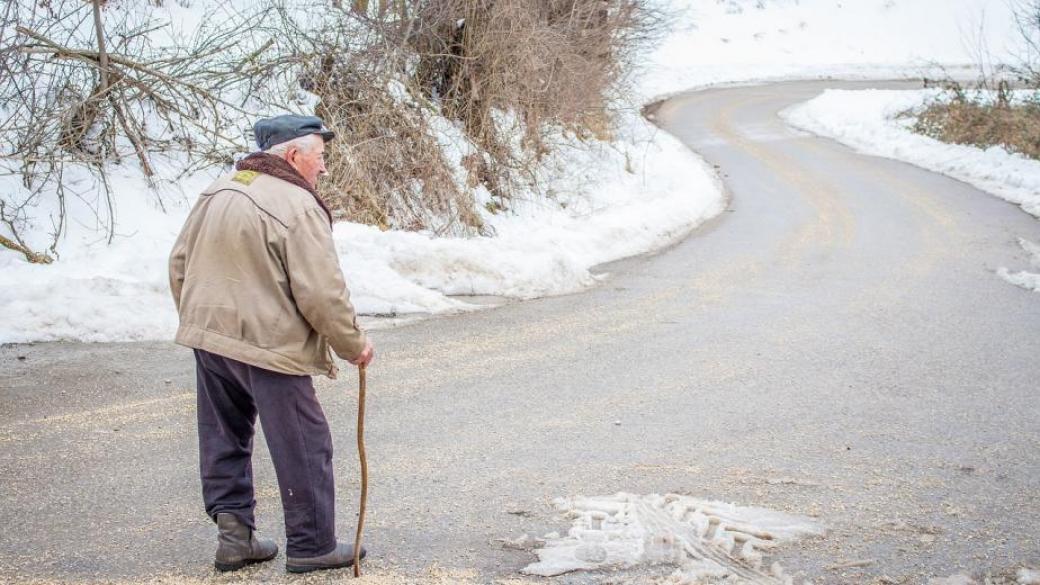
(256, 278)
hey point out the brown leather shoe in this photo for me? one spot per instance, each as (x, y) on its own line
(238, 546)
(341, 556)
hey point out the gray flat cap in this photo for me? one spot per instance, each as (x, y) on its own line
(279, 129)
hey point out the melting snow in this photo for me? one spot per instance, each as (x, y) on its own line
(702, 539)
(1028, 576)
(1024, 278)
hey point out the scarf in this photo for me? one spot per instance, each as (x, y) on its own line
(279, 168)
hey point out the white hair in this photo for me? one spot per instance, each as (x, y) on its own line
(306, 143)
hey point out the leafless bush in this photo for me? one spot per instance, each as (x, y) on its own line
(1027, 17)
(986, 113)
(498, 67)
(387, 167)
(391, 171)
(87, 84)
(556, 64)
(982, 119)
(90, 84)
(558, 61)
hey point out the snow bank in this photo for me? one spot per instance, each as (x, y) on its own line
(96, 290)
(625, 198)
(547, 246)
(870, 121)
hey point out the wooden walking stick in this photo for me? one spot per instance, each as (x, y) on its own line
(364, 468)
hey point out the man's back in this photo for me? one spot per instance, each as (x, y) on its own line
(251, 248)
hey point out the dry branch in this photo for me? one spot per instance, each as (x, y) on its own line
(83, 101)
(513, 75)
(33, 257)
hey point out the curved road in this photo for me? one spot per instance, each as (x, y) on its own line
(836, 344)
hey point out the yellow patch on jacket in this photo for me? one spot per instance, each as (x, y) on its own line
(245, 177)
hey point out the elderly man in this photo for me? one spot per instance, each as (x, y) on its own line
(261, 299)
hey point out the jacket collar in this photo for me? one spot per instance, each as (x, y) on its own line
(279, 168)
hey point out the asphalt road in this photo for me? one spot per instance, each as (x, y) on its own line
(835, 344)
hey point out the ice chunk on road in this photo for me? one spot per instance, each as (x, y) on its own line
(703, 539)
(1028, 576)
(1024, 278)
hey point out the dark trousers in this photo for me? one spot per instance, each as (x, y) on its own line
(230, 395)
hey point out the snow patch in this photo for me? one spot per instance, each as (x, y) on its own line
(1028, 576)
(703, 539)
(1024, 278)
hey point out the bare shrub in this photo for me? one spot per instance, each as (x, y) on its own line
(974, 118)
(90, 85)
(986, 113)
(386, 167)
(1027, 17)
(390, 170)
(557, 64)
(86, 84)
(500, 68)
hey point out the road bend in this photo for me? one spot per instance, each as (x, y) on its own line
(835, 344)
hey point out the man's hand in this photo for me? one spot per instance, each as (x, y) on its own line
(365, 357)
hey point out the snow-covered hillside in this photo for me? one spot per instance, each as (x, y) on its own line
(634, 195)
(724, 41)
